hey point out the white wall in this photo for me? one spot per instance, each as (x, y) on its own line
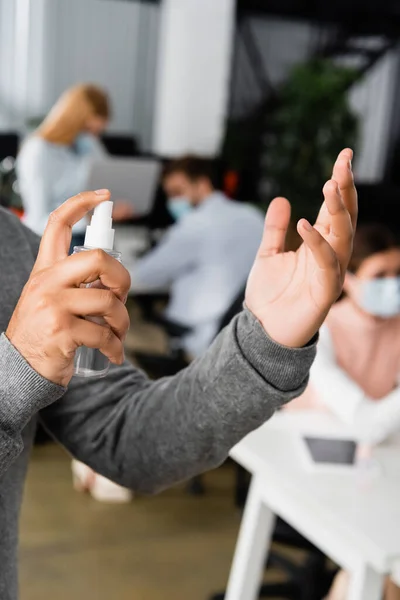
(373, 101)
(69, 41)
(97, 42)
(22, 47)
(7, 36)
(194, 63)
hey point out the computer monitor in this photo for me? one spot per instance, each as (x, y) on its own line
(132, 180)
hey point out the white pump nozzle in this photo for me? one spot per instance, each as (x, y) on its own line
(100, 234)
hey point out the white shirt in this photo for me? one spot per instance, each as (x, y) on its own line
(372, 421)
(49, 174)
(205, 259)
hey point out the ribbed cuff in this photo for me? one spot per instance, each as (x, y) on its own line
(284, 368)
(23, 392)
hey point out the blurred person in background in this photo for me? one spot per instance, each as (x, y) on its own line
(54, 162)
(356, 373)
(206, 256)
(357, 370)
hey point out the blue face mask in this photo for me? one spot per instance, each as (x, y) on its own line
(84, 144)
(179, 206)
(381, 297)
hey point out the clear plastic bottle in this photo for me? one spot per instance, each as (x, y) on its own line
(90, 362)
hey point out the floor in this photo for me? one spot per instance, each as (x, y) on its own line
(170, 547)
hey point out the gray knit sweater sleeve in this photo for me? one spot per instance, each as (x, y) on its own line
(149, 435)
(145, 435)
(22, 394)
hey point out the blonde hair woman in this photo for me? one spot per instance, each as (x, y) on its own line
(53, 163)
(81, 109)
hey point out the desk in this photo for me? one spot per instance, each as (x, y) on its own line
(133, 242)
(359, 528)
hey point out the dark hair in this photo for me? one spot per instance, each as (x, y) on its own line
(194, 167)
(371, 239)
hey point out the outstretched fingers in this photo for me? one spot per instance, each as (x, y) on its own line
(343, 174)
(276, 225)
(339, 222)
(322, 251)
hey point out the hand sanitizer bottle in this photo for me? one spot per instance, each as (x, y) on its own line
(90, 362)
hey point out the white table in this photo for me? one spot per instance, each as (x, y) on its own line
(358, 527)
(131, 241)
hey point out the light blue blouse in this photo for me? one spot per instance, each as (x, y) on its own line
(48, 174)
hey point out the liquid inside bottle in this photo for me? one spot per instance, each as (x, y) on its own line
(90, 362)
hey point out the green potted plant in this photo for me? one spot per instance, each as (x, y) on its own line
(312, 121)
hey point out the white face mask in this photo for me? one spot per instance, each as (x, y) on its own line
(380, 297)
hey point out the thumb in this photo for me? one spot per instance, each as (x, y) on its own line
(276, 225)
(57, 236)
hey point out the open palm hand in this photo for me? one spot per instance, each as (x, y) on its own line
(291, 292)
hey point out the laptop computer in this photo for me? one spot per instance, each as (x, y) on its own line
(132, 180)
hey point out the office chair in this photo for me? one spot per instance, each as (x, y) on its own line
(310, 580)
(157, 366)
(164, 365)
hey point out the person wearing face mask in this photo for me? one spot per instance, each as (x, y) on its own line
(206, 256)
(356, 374)
(54, 161)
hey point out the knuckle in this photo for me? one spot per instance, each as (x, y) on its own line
(43, 303)
(54, 322)
(108, 299)
(108, 336)
(54, 217)
(99, 256)
(36, 281)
